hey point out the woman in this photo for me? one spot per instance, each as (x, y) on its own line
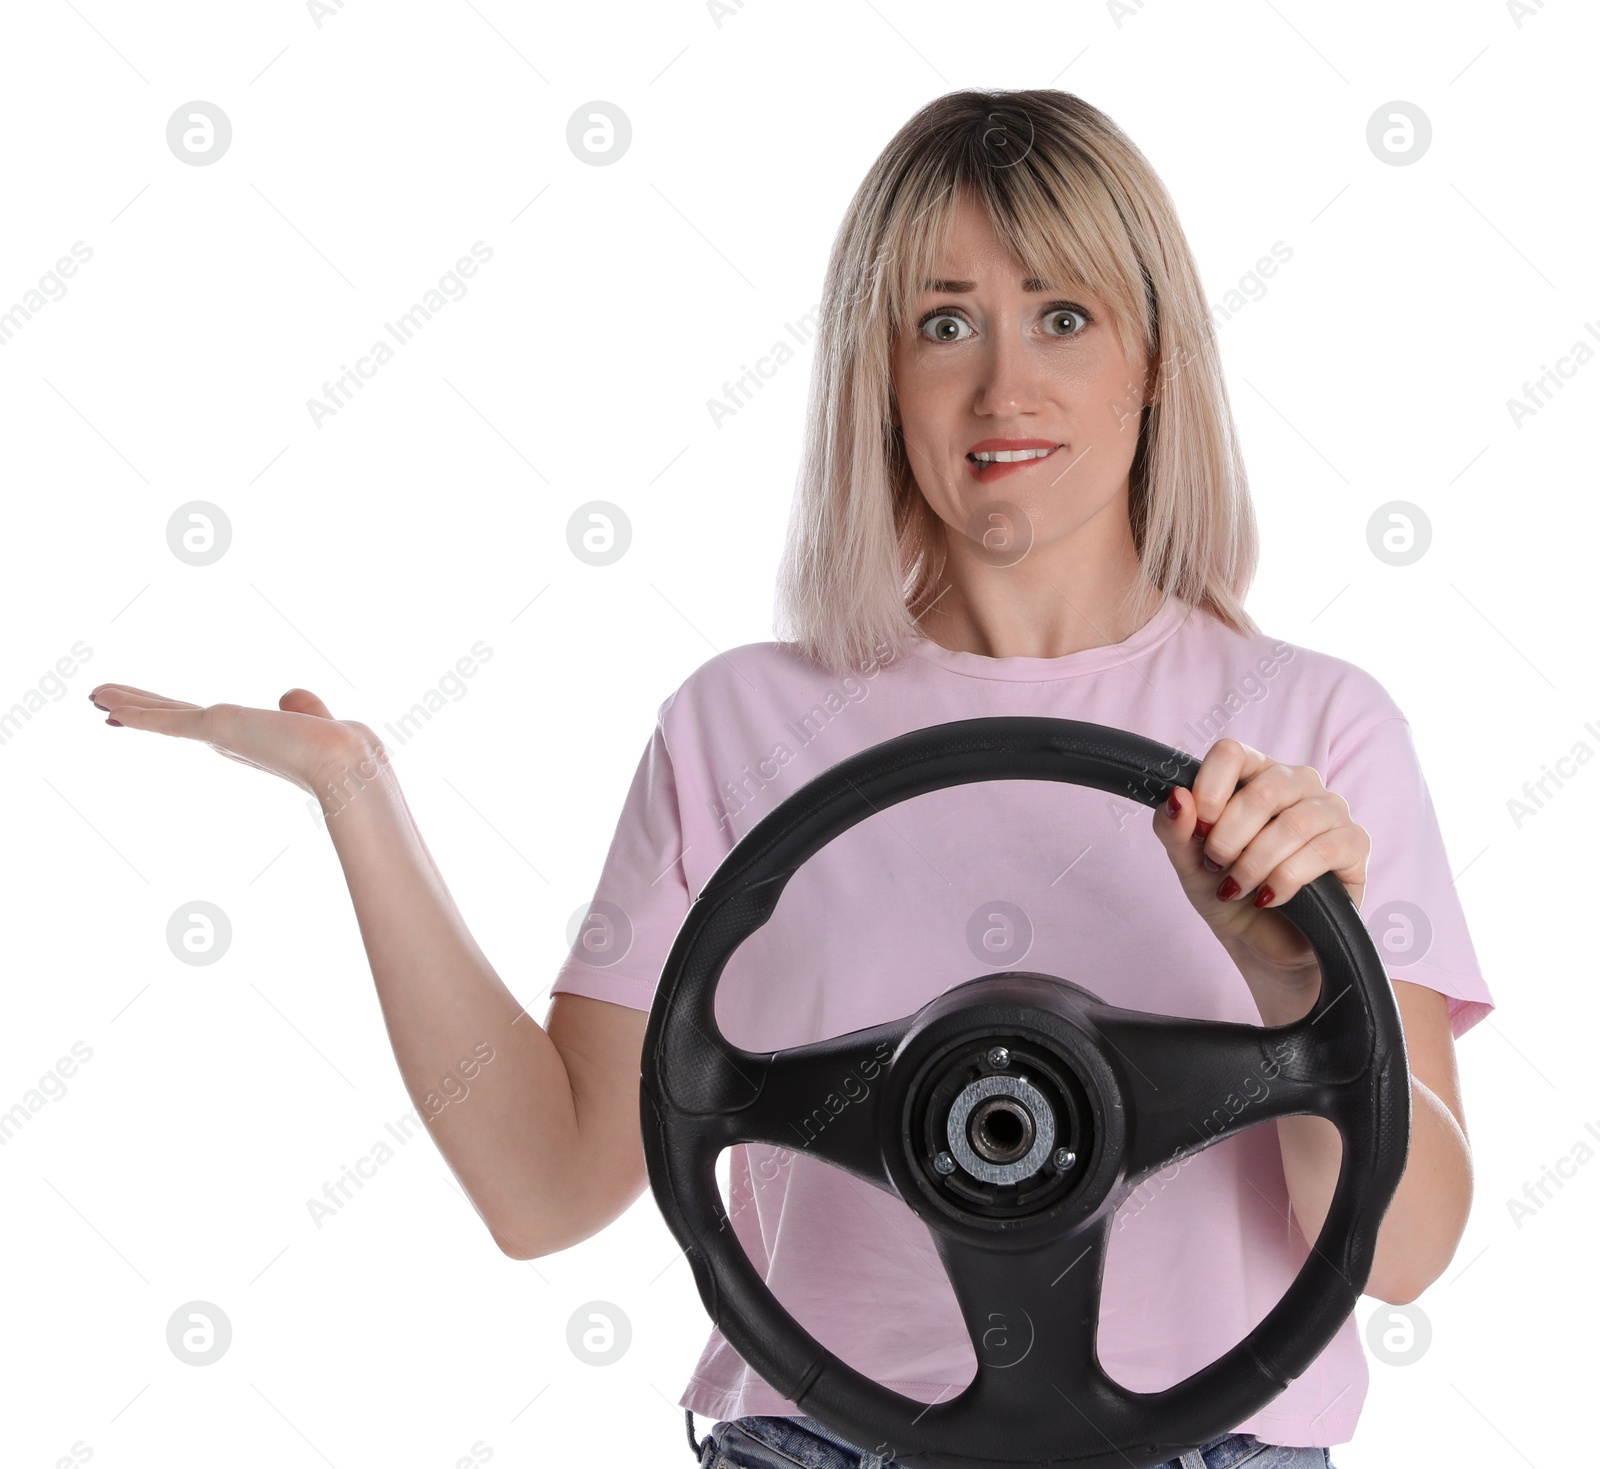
(1021, 495)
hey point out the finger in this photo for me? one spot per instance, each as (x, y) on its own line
(1199, 885)
(168, 718)
(1175, 830)
(1176, 834)
(1342, 849)
(114, 700)
(1273, 856)
(1187, 856)
(106, 692)
(1269, 787)
(1225, 765)
(303, 701)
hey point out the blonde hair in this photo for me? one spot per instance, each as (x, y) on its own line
(1073, 199)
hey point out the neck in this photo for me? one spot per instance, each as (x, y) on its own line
(1056, 600)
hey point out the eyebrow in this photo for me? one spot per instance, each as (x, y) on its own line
(959, 288)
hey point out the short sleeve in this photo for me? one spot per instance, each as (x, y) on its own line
(642, 896)
(1410, 904)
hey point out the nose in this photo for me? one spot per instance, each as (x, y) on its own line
(1008, 382)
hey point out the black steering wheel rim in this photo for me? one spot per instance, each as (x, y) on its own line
(1129, 1082)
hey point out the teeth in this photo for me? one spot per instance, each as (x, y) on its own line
(1009, 456)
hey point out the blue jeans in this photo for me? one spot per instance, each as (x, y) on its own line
(761, 1442)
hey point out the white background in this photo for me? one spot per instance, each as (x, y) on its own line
(369, 153)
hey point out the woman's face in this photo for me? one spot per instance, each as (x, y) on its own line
(991, 362)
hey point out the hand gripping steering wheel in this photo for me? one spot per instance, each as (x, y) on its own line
(1014, 1114)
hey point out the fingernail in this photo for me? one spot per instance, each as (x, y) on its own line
(1172, 805)
(1263, 897)
(1209, 865)
(1229, 889)
(117, 722)
(1202, 829)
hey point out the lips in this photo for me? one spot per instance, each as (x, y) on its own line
(986, 473)
(983, 446)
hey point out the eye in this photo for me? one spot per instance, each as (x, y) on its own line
(944, 323)
(1059, 309)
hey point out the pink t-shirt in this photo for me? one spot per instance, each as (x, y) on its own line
(1006, 874)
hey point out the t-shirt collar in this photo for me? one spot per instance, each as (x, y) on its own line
(1166, 620)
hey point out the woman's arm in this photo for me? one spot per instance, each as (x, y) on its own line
(541, 1128)
(1271, 829)
(1428, 1213)
(509, 1130)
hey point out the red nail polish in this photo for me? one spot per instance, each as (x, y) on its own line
(1172, 805)
(1202, 829)
(1208, 864)
(1263, 897)
(1229, 889)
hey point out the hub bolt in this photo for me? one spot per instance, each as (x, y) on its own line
(944, 1163)
(1063, 1158)
(999, 1057)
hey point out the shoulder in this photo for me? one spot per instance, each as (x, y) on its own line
(752, 680)
(1302, 685)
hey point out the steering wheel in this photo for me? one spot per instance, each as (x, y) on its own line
(1014, 1114)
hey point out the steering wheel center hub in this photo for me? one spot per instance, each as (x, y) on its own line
(1002, 1127)
(1000, 1142)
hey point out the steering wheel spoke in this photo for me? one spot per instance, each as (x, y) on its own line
(1193, 1082)
(1032, 1315)
(823, 1099)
